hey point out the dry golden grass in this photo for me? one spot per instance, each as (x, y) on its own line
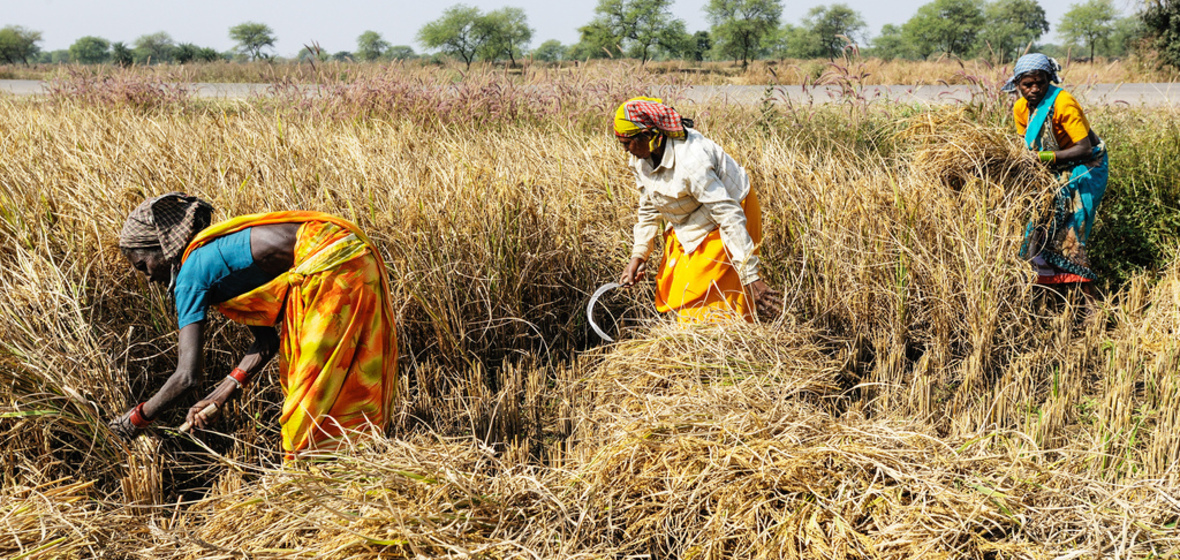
(919, 399)
(874, 71)
(705, 443)
(871, 71)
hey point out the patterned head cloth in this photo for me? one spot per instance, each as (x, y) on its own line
(167, 222)
(1032, 63)
(642, 114)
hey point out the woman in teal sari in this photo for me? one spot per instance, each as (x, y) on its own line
(1054, 126)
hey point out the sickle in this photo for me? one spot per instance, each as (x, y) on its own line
(590, 309)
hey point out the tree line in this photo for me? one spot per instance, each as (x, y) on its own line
(740, 31)
(18, 45)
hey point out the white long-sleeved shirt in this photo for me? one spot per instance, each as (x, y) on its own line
(696, 187)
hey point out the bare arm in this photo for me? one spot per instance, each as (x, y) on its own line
(1080, 151)
(646, 228)
(189, 365)
(264, 347)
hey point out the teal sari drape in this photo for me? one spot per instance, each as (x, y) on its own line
(1055, 241)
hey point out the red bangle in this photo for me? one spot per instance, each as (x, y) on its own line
(138, 419)
(239, 375)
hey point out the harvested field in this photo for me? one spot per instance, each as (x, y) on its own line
(920, 398)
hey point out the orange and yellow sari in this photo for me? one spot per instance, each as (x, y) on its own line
(338, 350)
(703, 286)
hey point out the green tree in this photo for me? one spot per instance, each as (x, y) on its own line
(456, 33)
(641, 28)
(1128, 32)
(793, 41)
(252, 38)
(60, 56)
(949, 26)
(504, 33)
(891, 44)
(675, 43)
(121, 54)
(370, 46)
(741, 28)
(1011, 26)
(834, 27)
(18, 45)
(400, 52)
(550, 51)
(596, 40)
(312, 53)
(1089, 23)
(1161, 26)
(209, 54)
(702, 43)
(155, 47)
(185, 53)
(90, 50)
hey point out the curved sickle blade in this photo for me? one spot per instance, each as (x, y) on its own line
(590, 309)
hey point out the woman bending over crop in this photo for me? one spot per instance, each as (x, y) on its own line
(714, 222)
(1055, 127)
(311, 288)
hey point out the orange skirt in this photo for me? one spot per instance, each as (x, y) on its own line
(703, 286)
(338, 343)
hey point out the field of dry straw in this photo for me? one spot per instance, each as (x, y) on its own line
(872, 71)
(918, 399)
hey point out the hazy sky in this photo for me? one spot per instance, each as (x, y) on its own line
(335, 24)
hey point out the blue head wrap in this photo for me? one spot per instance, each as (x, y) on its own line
(1032, 63)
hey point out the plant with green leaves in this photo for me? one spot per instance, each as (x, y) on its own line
(312, 53)
(641, 28)
(1161, 23)
(1128, 32)
(741, 29)
(596, 40)
(210, 54)
(1012, 25)
(185, 53)
(701, 44)
(18, 44)
(550, 51)
(154, 47)
(400, 52)
(795, 41)
(121, 54)
(1088, 24)
(834, 27)
(370, 46)
(456, 33)
(891, 43)
(505, 33)
(90, 50)
(252, 38)
(59, 56)
(945, 26)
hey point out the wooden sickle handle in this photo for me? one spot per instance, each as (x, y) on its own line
(185, 427)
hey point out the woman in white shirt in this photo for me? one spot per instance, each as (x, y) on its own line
(714, 222)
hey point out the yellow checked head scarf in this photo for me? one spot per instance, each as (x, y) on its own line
(641, 114)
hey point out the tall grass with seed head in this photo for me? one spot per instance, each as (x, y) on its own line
(936, 71)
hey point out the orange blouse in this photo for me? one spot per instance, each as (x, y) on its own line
(1069, 122)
